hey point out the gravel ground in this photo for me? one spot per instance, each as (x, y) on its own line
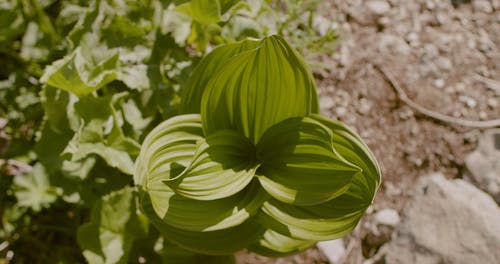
(445, 55)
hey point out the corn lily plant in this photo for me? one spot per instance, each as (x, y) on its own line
(250, 163)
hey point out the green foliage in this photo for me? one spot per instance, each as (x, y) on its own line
(255, 159)
(82, 85)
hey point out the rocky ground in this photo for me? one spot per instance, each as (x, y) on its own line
(445, 55)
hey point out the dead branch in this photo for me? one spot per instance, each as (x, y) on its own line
(401, 94)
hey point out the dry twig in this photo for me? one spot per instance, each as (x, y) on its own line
(432, 114)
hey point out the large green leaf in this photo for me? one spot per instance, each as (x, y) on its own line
(299, 164)
(168, 149)
(224, 164)
(202, 216)
(219, 242)
(209, 65)
(202, 11)
(79, 75)
(34, 189)
(114, 225)
(274, 244)
(353, 149)
(257, 89)
(330, 220)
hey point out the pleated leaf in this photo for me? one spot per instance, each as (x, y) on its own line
(193, 215)
(168, 149)
(299, 164)
(353, 149)
(219, 242)
(224, 164)
(331, 220)
(257, 89)
(209, 65)
(274, 244)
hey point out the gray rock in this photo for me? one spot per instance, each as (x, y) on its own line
(334, 250)
(447, 221)
(484, 163)
(482, 6)
(378, 7)
(326, 102)
(387, 216)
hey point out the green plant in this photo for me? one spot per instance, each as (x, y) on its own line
(250, 162)
(82, 84)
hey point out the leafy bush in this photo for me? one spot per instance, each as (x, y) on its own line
(251, 163)
(87, 84)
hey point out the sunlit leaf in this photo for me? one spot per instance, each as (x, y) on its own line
(274, 244)
(257, 89)
(220, 242)
(209, 65)
(114, 225)
(76, 74)
(203, 11)
(34, 190)
(300, 165)
(223, 164)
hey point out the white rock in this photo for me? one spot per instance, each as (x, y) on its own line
(378, 7)
(389, 217)
(484, 163)
(482, 6)
(492, 103)
(438, 83)
(446, 221)
(334, 250)
(468, 101)
(326, 102)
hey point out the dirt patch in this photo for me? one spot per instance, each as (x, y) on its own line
(444, 54)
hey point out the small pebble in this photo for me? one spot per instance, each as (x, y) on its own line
(468, 101)
(378, 7)
(492, 103)
(483, 115)
(438, 83)
(389, 217)
(341, 111)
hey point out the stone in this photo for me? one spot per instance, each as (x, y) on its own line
(387, 216)
(482, 6)
(483, 164)
(468, 101)
(492, 103)
(334, 250)
(446, 221)
(326, 102)
(378, 7)
(438, 83)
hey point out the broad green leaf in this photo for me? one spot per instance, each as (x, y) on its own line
(202, 11)
(77, 74)
(209, 65)
(100, 133)
(337, 217)
(174, 254)
(34, 189)
(203, 216)
(168, 149)
(257, 89)
(353, 149)
(331, 220)
(224, 163)
(274, 244)
(114, 225)
(299, 164)
(220, 242)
